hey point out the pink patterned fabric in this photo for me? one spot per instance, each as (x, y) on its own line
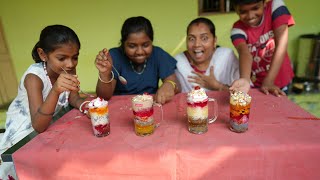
(274, 147)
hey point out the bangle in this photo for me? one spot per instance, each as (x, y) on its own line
(171, 82)
(44, 114)
(106, 82)
(80, 108)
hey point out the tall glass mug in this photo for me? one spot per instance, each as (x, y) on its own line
(142, 106)
(99, 113)
(239, 111)
(198, 110)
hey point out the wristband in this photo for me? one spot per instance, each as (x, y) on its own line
(171, 82)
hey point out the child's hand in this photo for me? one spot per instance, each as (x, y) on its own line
(66, 82)
(273, 89)
(103, 61)
(165, 93)
(241, 84)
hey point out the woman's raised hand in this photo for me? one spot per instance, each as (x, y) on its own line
(208, 82)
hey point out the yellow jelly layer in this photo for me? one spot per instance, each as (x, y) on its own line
(100, 111)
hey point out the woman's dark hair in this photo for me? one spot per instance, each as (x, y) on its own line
(134, 25)
(203, 20)
(52, 37)
(243, 2)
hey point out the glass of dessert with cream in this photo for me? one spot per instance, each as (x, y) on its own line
(142, 106)
(239, 111)
(99, 113)
(198, 110)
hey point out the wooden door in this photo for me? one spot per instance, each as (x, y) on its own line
(8, 80)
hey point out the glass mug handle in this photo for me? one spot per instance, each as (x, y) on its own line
(215, 110)
(160, 106)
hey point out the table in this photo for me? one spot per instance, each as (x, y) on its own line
(282, 143)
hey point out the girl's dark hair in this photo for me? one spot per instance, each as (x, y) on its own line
(52, 37)
(243, 2)
(203, 20)
(134, 25)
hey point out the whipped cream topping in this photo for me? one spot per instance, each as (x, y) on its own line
(142, 98)
(97, 102)
(140, 102)
(240, 98)
(197, 94)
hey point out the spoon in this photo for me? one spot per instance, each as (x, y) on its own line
(90, 95)
(121, 78)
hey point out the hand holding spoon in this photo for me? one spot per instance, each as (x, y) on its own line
(121, 78)
(90, 95)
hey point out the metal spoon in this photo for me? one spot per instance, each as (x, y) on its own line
(121, 78)
(90, 95)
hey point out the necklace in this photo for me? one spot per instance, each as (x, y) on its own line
(45, 70)
(140, 71)
(197, 70)
(63, 100)
(192, 64)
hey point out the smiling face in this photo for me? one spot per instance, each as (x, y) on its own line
(64, 56)
(201, 43)
(251, 14)
(138, 47)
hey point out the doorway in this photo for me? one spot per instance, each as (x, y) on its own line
(8, 80)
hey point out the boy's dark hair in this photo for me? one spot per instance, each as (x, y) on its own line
(205, 21)
(242, 2)
(134, 25)
(52, 37)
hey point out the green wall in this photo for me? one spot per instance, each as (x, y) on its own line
(98, 24)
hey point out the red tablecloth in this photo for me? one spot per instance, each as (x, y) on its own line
(274, 147)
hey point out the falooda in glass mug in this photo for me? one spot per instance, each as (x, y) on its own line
(143, 111)
(198, 110)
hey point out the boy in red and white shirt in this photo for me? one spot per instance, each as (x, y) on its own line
(261, 37)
